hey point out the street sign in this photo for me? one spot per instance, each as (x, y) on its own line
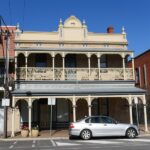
(5, 102)
(51, 101)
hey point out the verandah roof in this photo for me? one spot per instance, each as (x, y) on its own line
(75, 88)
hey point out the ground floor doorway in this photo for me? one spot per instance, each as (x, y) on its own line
(61, 114)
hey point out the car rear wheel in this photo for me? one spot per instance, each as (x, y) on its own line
(131, 133)
(86, 134)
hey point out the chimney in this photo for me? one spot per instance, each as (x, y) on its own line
(110, 29)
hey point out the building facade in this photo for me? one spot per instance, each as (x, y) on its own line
(7, 36)
(142, 75)
(85, 72)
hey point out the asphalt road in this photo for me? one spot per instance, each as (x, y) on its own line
(141, 143)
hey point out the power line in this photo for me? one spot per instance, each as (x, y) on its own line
(2, 21)
(10, 12)
(24, 6)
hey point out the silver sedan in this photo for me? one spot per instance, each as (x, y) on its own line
(96, 126)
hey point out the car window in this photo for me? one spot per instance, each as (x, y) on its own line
(107, 120)
(93, 120)
(88, 120)
(81, 119)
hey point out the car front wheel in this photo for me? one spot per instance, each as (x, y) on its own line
(86, 134)
(131, 133)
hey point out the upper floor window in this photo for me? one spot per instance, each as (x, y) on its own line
(144, 76)
(103, 61)
(137, 76)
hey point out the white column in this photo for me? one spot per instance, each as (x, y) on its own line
(89, 66)
(145, 114)
(89, 105)
(99, 67)
(26, 63)
(30, 117)
(63, 67)
(53, 63)
(133, 68)
(130, 109)
(124, 69)
(13, 117)
(74, 109)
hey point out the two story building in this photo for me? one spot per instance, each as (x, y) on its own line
(142, 75)
(85, 72)
(6, 44)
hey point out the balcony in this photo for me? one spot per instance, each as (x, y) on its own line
(76, 67)
(46, 73)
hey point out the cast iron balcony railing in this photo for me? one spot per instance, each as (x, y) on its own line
(41, 73)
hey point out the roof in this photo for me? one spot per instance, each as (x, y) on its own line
(144, 53)
(73, 49)
(76, 88)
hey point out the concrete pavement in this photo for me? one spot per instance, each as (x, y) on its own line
(44, 135)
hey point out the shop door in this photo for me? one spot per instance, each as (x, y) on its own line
(44, 114)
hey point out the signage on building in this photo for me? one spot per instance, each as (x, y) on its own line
(5, 102)
(51, 101)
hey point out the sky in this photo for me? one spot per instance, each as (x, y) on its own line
(44, 15)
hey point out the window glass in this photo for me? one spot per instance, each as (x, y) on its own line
(144, 76)
(103, 63)
(137, 76)
(107, 120)
(93, 120)
(88, 120)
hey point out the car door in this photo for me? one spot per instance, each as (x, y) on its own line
(110, 127)
(95, 125)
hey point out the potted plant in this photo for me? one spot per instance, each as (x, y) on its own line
(24, 131)
(35, 131)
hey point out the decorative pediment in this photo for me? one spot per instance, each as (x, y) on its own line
(73, 22)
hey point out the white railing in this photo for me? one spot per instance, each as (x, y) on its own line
(21, 73)
(76, 74)
(111, 74)
(41, 73)
(129, 73)
(58, 74)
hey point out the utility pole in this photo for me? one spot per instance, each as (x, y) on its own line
(5, 40)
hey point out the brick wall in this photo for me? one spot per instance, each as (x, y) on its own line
(3, 42)
(140, 61)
